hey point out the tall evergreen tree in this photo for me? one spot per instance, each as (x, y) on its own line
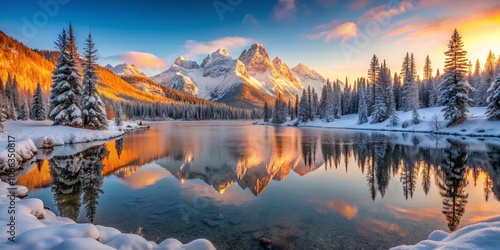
(24, 110)
(397, 91)
(266, 112)
(279, 114)
(118, 115)
(94, 111)
(493, 110)
(329, 103)
(487, 78)
(363, 110)
(372, 78)
(39, 111)
(380, 110)
(65, 95)
(454, 90)
(303, 107)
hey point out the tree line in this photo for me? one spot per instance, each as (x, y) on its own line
(380, 96)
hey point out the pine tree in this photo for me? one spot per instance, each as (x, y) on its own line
(372, 78)
(266, 112)
(329, 103)
(380, 110)
(454, 90)
(66, 86)
(493, 110)
(408, 72)
(38, 111)
(118, 115)
(322, 102)
(94, 111)
(428, 89)
(363, 110)
(338, 100)
(24, 110)
(279, 115)
(303, 107)
(397, 91)
(488, 77)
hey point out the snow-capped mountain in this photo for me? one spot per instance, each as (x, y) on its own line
(249, 80)
(125, 69)
(308, 77)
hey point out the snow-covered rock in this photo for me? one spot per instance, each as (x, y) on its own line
(37, 229)
(482, 235)
(125, 69)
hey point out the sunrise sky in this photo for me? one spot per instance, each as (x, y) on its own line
(334, 37)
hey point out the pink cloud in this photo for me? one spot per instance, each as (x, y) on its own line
(140, 59)
(286, 9)
(384, 12)
(195, 48)
(359, 4)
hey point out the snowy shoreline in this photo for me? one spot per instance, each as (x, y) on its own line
(33, 135)
(476, 124)
(481, 235)
(37, 228)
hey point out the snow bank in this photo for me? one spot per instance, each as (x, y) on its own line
(37, 228)
(30, 135)
(24, 150)
(482, 235)
(125, 127)
(476, 125)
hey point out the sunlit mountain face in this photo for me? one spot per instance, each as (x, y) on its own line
(207, 175)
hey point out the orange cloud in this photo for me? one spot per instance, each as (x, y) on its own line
(140, 59)
(415, 214)
(343, 31)
(349, 211)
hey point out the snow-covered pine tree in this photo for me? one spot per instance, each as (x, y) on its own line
(24, 110)
(315, 103)
(475, 81)
(266, 112)
(493, 110)
(487, 78)
(94, 111)
(38, 111)
(330, 103)
(338, 100)
(65, 95)
(372, 79)
(427, 84)
(322, 101)
(380, 110)
(397, 91)
(454, 90)
(118, 115)
(3, 110)
(408, 76)
(362, 109)
(303, 107)
(279, 115)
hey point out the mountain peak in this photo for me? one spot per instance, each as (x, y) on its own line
(187, 64)
(221, 52)
(125, 69)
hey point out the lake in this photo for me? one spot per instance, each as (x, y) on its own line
(233, 183)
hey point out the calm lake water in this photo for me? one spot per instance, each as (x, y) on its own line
(305, 188)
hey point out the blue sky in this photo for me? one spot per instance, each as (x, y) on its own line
(337, 38)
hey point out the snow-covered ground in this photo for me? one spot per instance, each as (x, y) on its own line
(476, 124)
(482, 235)
(30, 135)
(38, 228)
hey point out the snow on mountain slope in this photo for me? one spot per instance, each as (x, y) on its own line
(125, 69)
(219, 77)
(308, 77)
(258, 64)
